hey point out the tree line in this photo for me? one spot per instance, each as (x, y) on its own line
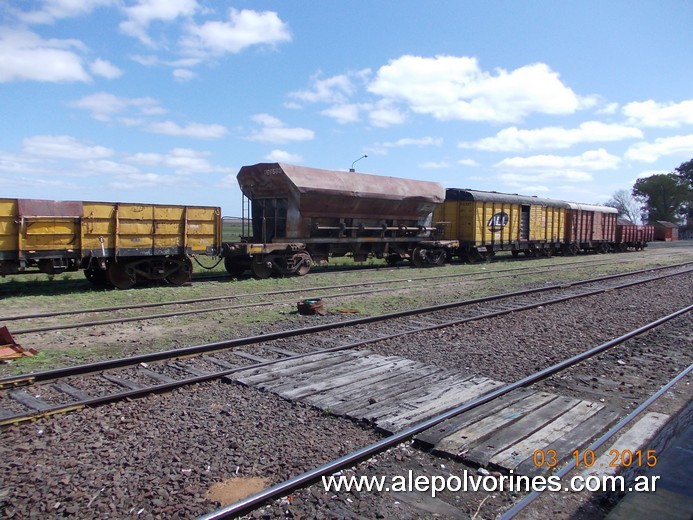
(666, 196)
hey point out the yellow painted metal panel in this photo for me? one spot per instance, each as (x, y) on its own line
(151, 227)
(50, 234)
(98, 227)
(8, 225)
(496, 223)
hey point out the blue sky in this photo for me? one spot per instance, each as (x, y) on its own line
(164, 100)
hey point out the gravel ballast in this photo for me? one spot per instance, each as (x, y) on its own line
(159, 456)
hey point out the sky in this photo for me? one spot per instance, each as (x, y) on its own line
(162, 101)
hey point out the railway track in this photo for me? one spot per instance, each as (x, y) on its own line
(28, 397)
(452, 421)
(36, 322)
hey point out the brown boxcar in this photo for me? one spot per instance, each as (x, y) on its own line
(116, 244)
(486, 221)
(632, 235)
(298, 215)
(589, 227)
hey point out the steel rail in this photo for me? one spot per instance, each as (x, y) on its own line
(533, 495)
(164, 387)
(266, 304)
(249, 504)
(48, 375)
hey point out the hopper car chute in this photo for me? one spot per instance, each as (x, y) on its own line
(296, 216)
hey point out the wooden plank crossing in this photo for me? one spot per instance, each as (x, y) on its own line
(394, 393)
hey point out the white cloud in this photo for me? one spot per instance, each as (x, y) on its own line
(346, 113)
(105, 69)
(140, 15)
(385, 115)
(244, 28)
(514, 139)
(63, 147)
(35, 182)
(275, 131)
(467, 162)
(333, 90)
(382, 148)
(520, 179)
(591, 160)
(435, 165)
(183, 75)
(609, 108)
(455, 88)
(103, 106)
(15, 163)
(107, 167)
(52, 10)
(26, 56)
(409, 141)
(182, 160)
(132, 181)
(652, 114)
(283, 156)
(337, 89)
(663, 146)
(194, 130)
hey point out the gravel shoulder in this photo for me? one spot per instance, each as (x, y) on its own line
(183, 454)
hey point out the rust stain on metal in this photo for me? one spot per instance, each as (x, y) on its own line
(311, 307)
(10, 349)
(327, 193)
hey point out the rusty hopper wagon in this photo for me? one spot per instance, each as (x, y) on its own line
(116, 244)
(296, 216)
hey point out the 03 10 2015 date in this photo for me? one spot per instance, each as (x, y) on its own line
(587, 458)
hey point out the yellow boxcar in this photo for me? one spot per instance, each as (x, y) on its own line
(116, 244)
(486, 222)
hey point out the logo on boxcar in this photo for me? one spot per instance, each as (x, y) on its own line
(498, 221)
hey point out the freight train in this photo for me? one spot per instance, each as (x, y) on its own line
(294, 217)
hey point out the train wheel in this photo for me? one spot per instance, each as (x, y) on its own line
(182, 275)
(96, 276)
(474, 257)
(304, 263)
(119, 276)
(234, 268)
(392, 259)
(261, 267)
(570, 249)
(418, 257)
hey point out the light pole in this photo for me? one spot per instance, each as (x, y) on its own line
(357, 160)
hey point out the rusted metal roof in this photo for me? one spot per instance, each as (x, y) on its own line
(336, 194)
(273, 179)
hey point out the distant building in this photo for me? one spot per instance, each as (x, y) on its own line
(666, 231)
